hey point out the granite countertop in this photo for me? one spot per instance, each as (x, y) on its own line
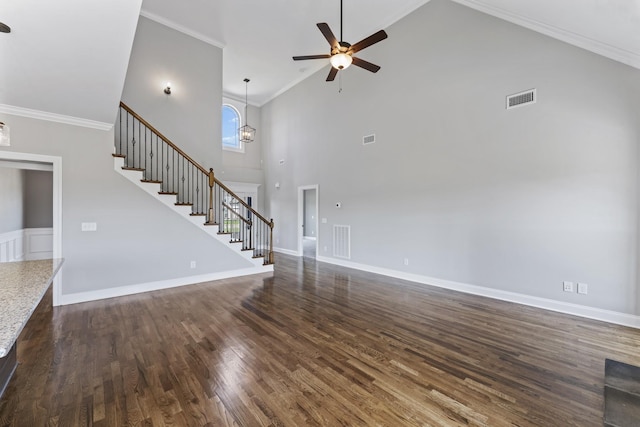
(22, 286)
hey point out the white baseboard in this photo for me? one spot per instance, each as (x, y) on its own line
(162, 284)
(547, 304)
(287, 251)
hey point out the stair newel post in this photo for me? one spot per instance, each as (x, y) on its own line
(271, 241)
(212, 182)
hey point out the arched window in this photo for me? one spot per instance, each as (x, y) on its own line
(230, 125)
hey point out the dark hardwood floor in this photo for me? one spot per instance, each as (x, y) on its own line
(313, 345)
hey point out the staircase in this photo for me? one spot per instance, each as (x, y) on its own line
(155, 164)
(621, 394)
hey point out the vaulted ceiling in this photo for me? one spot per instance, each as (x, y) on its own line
(70, 57)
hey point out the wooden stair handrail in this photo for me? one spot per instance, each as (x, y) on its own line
(253, 211)
(164, 138)
(212, 181)
(246, 221)
(175, 147)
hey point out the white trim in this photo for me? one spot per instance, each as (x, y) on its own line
(162, 284)
(12, 246)
(544, 303)
(53, 117)
(181, 29)
(48, 167)
(57, 206)
(301, 190)
(287, 252)
(595, 46)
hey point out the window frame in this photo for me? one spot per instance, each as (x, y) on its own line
(240, 148)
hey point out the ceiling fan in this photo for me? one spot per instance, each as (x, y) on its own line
(341, 55)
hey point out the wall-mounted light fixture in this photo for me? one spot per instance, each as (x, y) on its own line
(247, 133)
(4, 135)
(167, 88)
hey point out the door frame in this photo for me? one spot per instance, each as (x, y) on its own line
(301, 190)
(56, 163)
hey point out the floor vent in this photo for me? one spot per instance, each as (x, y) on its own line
(342, 241)
(369, 139)
(521, 99)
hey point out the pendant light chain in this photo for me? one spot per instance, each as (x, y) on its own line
(246, 132)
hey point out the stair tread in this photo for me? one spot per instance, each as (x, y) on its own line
(211, 223)
(621, 408)
(184, 204)
(622, 376)
(122, 156)
(197, 214)
(127, 168)
(169, 193)
(151, 181)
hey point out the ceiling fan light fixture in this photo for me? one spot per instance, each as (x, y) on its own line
(340, 61)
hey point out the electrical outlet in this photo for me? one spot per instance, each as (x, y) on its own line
(193, 264)
(583, 288)
(406, 261)
(567, 286)
(89, 226)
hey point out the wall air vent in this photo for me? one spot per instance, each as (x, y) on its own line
(521, 99)
(369, 139)
(342, 241)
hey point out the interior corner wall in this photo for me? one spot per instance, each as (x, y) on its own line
(191, 116)
(138, 240)
(517, 200)
(12, 183)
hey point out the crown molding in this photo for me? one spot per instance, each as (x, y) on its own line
(53, 117)
(181, 29)
(612, 52)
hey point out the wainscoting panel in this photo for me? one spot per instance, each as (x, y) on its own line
(12, 246)
(38, 243)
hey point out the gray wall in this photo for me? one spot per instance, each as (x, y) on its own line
(11, 199)
(191, 116)
(516, 200)
(38, 199)
(138, 239)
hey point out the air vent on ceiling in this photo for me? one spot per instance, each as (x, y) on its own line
(368, 139)
(521, 99)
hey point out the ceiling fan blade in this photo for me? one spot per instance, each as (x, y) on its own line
(366, 65)
(302, 58)
(332, 74)
(327, 33)
(372, 39)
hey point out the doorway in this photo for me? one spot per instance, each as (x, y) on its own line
(53, 164)
(308, 221)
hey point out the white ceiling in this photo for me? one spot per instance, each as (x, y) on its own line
(259, 38)
(70, 57)
(66, 57)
